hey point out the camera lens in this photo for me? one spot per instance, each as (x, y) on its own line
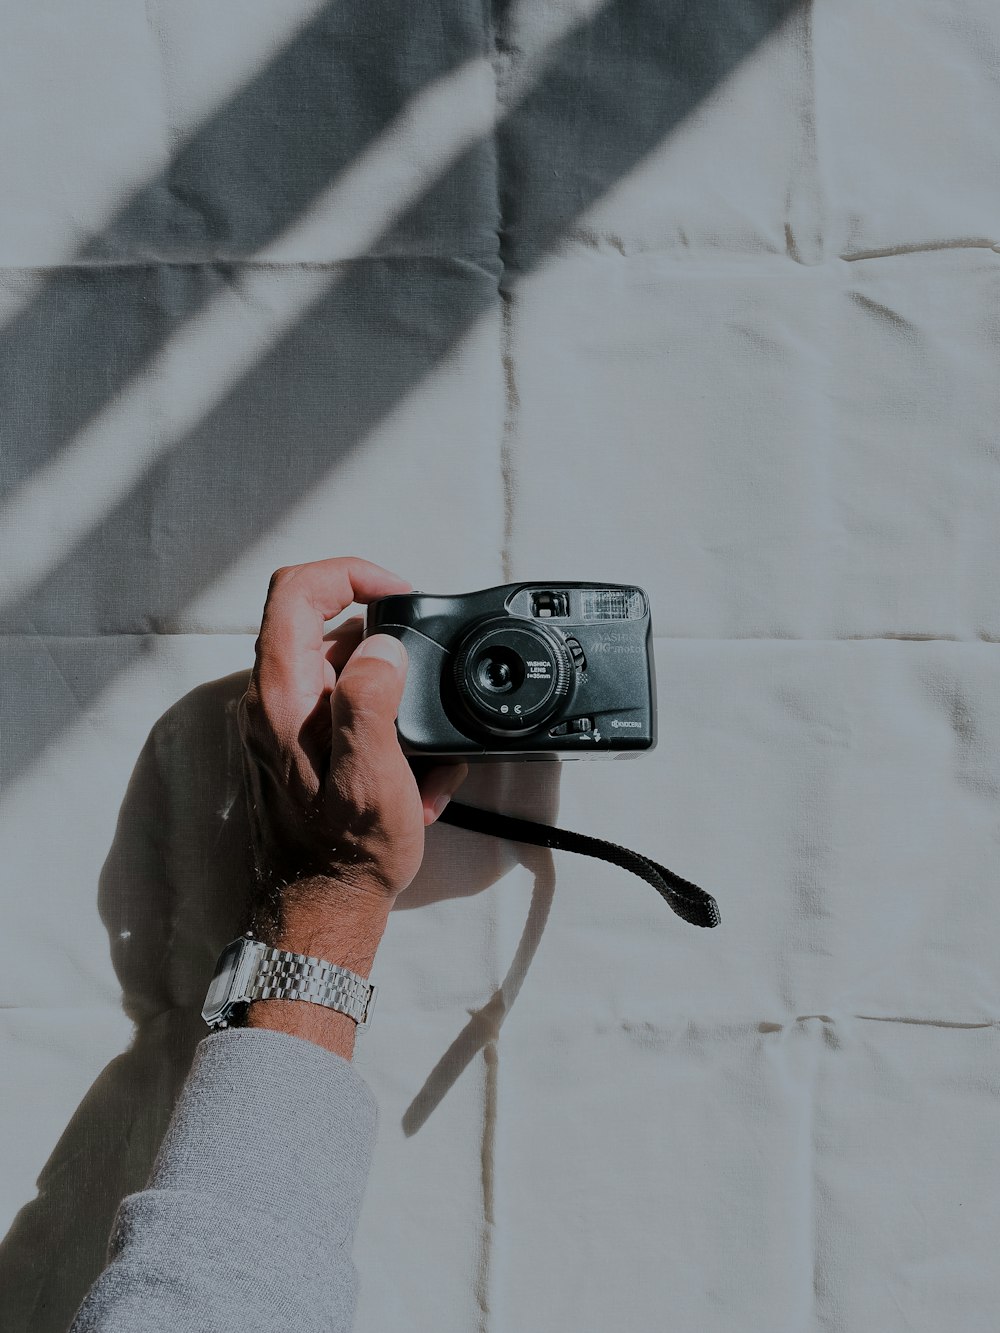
(496, 675)
(499, 670)
(511, 675)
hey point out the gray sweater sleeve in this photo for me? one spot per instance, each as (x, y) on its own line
(249, 1215)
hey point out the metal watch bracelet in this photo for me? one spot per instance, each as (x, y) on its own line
(250, 970)
(282, 975)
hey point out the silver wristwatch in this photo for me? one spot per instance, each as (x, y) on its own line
(249, 970)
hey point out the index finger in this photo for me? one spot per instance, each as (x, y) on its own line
(299, 600)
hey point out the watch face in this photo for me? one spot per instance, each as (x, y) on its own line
(219, 992)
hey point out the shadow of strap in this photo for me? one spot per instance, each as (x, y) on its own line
(483, 1027)
(686, 899)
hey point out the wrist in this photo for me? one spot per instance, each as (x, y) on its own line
(320, 919)
(324, 1027)
(325, 918)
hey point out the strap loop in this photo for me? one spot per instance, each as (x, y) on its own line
(686, 899)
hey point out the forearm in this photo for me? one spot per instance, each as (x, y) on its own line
(250, 1213)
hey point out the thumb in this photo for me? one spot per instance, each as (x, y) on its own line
(366, 699)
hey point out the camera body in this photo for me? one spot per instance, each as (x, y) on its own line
(531, 671)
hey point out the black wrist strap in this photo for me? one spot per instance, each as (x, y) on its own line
(686, 899)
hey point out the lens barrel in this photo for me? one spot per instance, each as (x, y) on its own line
(511, 676)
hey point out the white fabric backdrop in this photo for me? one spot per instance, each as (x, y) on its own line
(704, 301)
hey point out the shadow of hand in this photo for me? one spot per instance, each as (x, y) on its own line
(173, 891)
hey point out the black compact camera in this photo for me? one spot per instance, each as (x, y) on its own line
(525, 671)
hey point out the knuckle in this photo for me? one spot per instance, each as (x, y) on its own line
(280, 577)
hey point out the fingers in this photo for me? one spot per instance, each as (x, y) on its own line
(340, 643)
(302, 597)
(329, 586)
(437, 786)
(353, 625)
(363, 706)
(292, 670)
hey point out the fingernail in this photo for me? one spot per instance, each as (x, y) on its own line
(438, 807)
(384, 646)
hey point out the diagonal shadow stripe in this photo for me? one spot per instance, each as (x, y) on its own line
(609, 94)
(229, 191)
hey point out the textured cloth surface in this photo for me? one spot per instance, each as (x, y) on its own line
(698, 296)
(250, 1212)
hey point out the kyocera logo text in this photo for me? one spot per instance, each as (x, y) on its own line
(616, 723)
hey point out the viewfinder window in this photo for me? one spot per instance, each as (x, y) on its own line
(545, 605)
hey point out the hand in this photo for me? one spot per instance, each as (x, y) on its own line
(337, 814)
